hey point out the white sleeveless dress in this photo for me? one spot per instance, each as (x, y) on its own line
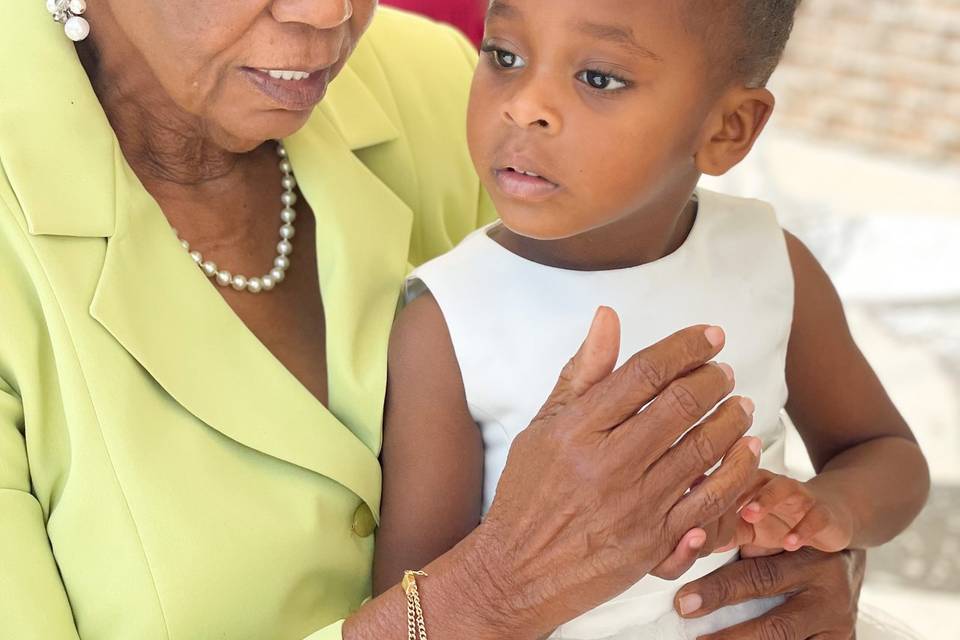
(514, 324)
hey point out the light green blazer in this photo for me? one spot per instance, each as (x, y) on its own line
(162, 476)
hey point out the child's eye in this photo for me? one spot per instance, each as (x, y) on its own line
(601, 81)
(505, 59)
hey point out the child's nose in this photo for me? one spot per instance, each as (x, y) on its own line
(530, 108)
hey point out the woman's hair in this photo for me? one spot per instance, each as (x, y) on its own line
(749, 36)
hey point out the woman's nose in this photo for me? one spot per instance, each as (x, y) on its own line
(530, 108)
(320, 14)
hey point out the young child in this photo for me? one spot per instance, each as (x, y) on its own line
(590, 125)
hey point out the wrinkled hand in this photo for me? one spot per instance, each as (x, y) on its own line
(718, 536)
(822, 589)
(592, 496)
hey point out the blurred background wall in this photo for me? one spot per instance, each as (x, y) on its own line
(883, 75)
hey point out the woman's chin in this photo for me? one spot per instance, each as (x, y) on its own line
(245, 133)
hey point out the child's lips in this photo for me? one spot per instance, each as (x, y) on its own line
(524, 185)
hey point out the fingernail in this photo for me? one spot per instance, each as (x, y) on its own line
(754, 507)
(748, 406)
(727, 370)
(690, 603)
(792, 540)
(697, 542)
(715, 336)
(755, 445)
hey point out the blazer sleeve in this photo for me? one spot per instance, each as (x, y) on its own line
(33, 601)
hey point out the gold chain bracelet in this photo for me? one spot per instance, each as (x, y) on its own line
(416, 627)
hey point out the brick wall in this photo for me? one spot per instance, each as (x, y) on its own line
(880, 74)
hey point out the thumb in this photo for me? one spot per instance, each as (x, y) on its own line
(594, 361)
(597, 356)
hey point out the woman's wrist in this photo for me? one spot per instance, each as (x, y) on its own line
(472, 585)
(464, 595)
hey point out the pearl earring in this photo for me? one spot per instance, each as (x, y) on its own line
(68, 12)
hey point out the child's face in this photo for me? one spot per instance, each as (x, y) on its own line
(605, 100)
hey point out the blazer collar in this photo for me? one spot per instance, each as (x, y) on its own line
(57, 148)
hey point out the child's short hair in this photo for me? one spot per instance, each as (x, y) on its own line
(750, 34)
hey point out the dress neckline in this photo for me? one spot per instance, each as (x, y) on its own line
(484, 240)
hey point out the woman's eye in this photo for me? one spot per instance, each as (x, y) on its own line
(506, 59)
(601, 81)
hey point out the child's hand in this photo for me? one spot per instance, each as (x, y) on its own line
(788, 514)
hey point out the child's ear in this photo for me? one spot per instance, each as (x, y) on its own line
(733, 128)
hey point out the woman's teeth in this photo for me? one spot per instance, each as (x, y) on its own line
(526, 173)
(286, 74)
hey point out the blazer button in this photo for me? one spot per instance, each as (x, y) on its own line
(363, 522)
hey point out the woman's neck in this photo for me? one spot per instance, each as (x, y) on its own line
(166, 147)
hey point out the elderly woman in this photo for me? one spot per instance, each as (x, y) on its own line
(191, 400)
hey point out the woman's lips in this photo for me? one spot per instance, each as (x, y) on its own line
(293, 95)
(523, 186)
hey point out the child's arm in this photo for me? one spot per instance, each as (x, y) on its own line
(872, 477)
(432, 450)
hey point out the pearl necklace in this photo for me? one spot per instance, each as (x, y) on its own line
(281, 263)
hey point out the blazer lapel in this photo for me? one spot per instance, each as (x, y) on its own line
(163, 311)
(363, 239)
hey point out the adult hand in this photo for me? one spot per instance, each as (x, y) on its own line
(718, 536)
(592, 497)
(822, 589)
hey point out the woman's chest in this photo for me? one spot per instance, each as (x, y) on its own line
(290, 320)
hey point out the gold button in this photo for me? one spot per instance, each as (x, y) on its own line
(363, 523)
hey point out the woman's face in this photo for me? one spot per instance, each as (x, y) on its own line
(249, 70)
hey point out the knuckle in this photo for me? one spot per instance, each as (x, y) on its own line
(733, 415)
(649, 371)
(724, 592)
(694, 347)
(765, 576)
(704, 447)
(712, 504)
(777, 627)
(683, 402)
